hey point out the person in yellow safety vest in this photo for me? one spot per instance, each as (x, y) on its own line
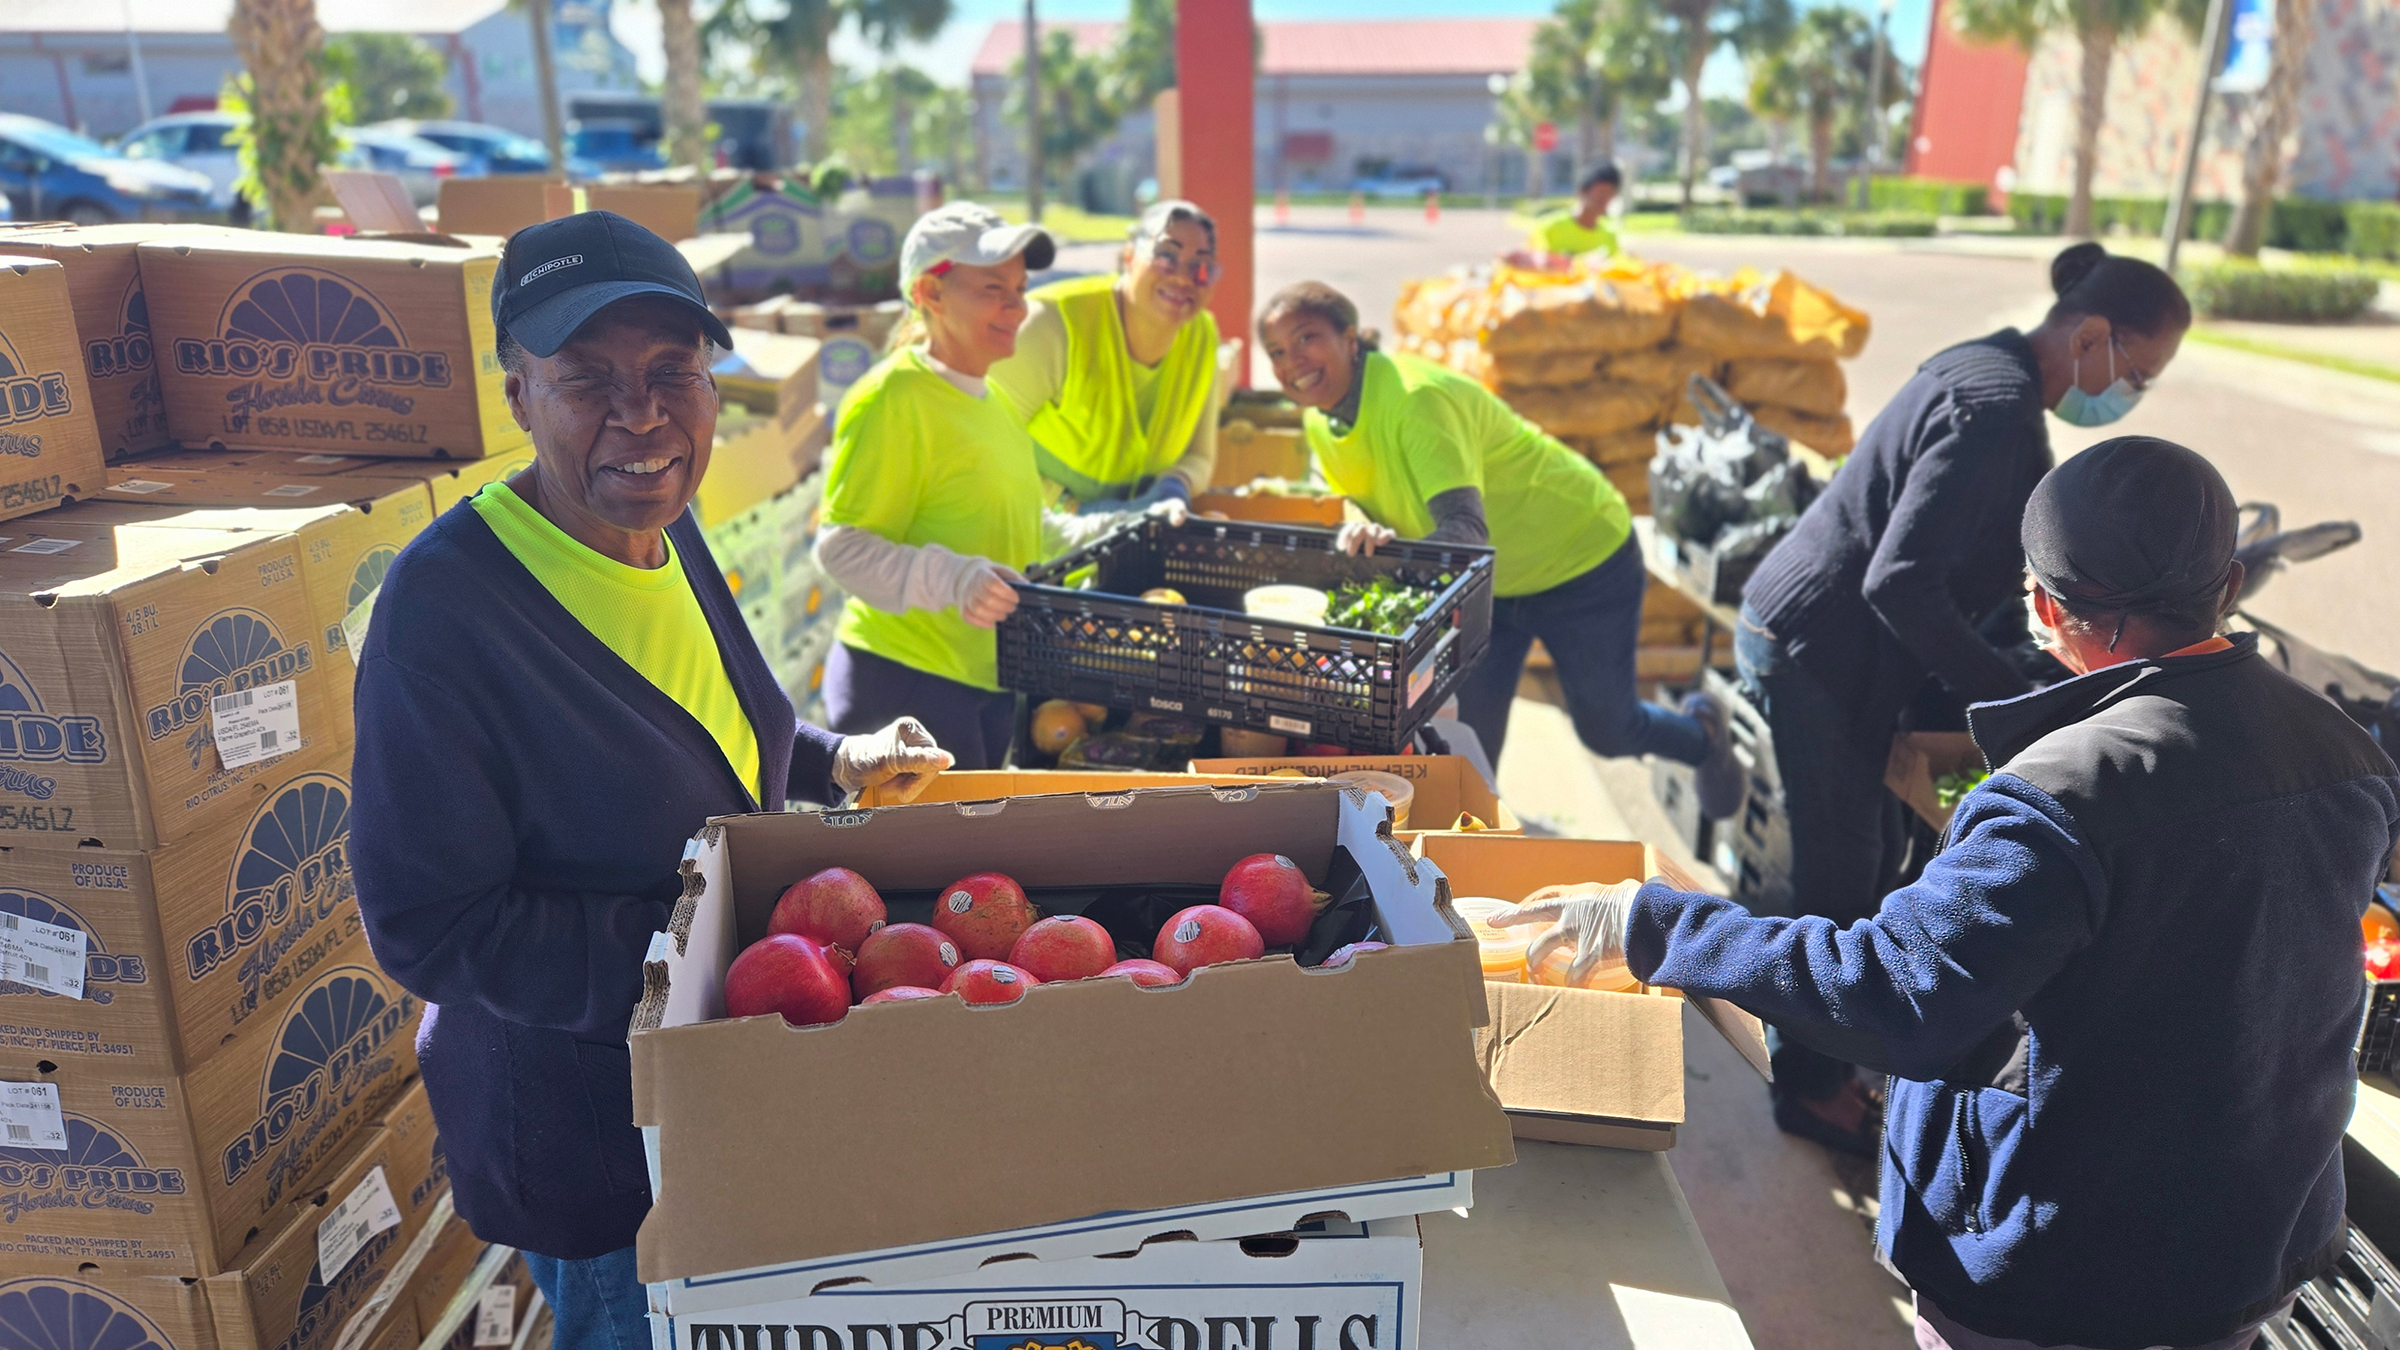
(1585, 228)
(1115, 377)
(931, 500)
(1427, 453)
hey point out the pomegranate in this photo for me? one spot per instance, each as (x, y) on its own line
(1206, 935)
(836, 907)
(984, 914)
(1273, 893)
(788, 974)
(899, 993)
(903, 953)
(1148, 974)
(1341, 955)
(981, 981)
(1064, 947)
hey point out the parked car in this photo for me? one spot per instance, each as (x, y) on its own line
(420, 164)
(199, 141)
(497, 148)
(1404, 182)
(50, 173)
(613, 146)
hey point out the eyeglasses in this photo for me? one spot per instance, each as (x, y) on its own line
(1170, 260)
(2133, 373)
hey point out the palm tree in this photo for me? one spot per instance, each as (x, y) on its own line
(290, 131)
(2098, 25)
(1694, 29)
(1590, 59)
(798, 39)
(1822, 76)
(686, 116)
(2272, 115)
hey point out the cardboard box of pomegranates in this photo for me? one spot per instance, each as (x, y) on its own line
(1301, 1050)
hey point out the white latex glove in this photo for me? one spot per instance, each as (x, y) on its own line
(902, 754)
(1169, 509)
(984, 595)
(1587, 916)
(1361, 536)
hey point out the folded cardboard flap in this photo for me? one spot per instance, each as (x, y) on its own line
(986, 785)
(1446, 785)
(1081, 1098)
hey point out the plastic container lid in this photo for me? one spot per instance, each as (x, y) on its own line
(1395, 789)
(1607, 979)
(1288, 604)
(1502, 950)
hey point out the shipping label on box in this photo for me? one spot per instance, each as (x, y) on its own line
(1338, 1286)
(1380, 1049)
(167, 1175)
(100, 1313)
(295, 1286)
(291, 342)
(49, 443)
(186, 946)
(118, 634)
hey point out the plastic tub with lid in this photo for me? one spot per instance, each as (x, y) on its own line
(1395, 789)
(1501, 949)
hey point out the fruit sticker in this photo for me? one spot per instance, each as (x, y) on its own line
(960, 902)
(1188, 930)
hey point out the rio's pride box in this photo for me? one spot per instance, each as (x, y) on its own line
(168, 1175)
(186, 946)
(49, 444)
(293, 342)
(116, 636)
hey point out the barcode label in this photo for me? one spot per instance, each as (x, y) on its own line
(496, 1316)
(256, 724)
(354, 624)
(44, 956)
(320, 459)
(368, 1210)
(47, 546)
(292, 490)
(30, 1115)
(141, 486)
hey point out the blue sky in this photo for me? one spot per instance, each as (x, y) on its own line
(946, 57)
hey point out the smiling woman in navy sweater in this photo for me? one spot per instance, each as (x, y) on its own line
(555, 692)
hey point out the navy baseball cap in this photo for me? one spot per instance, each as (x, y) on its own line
(556, 275)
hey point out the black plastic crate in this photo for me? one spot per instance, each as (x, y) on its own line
(1209, 661)
(2379, 1036)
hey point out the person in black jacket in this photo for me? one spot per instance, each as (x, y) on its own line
(1885, 577)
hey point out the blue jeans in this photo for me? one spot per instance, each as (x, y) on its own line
(1845, 826)
(595, 1304)
(865, 692)
(1591, 626)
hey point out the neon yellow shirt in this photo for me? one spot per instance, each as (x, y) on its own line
(647, 616)
(920, 461)
(1425, 429)
(1560, 232)
(1099, 419)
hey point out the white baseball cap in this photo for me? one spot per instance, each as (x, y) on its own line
(965, 232)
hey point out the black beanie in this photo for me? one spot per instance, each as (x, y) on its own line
(2133, 525)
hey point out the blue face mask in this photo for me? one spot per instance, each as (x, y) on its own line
(2077, 408)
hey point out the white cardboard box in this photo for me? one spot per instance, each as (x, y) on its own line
(1342, 1286)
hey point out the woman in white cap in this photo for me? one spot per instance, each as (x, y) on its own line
(932, 503)
(1116, 376)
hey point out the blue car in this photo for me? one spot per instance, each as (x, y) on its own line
(49, 173)
(614, 146)
(500, 150)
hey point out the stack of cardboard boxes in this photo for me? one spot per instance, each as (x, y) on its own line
(212, 1125)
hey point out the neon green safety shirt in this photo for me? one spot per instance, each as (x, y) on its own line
(1560, 232)
(1106, 422)
(920, 461)
(1425, 429)
(648, 616)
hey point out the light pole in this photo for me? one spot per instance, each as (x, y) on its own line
(2212, 55)
(1497, 84)
(1033, 116)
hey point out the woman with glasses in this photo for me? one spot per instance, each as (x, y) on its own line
(1885, 580)
(1115, 377)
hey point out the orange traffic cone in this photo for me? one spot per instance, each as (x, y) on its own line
(1433, 208)
(1358, 208)
(1283, 207)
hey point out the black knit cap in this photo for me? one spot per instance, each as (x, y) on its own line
(2133, 525)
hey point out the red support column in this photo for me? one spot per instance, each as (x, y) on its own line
(1215, 128)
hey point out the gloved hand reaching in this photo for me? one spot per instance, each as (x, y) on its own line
(1587, 916)
(984, 595)
(902, 754)
(1169, 509)
(1362, 536)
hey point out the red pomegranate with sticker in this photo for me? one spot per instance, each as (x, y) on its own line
(989, 982)
(1064, 947)
(1206, 935)
(1273, 893)
(1148, 974)
(984, 913)
(903, 954)
(835, 906)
